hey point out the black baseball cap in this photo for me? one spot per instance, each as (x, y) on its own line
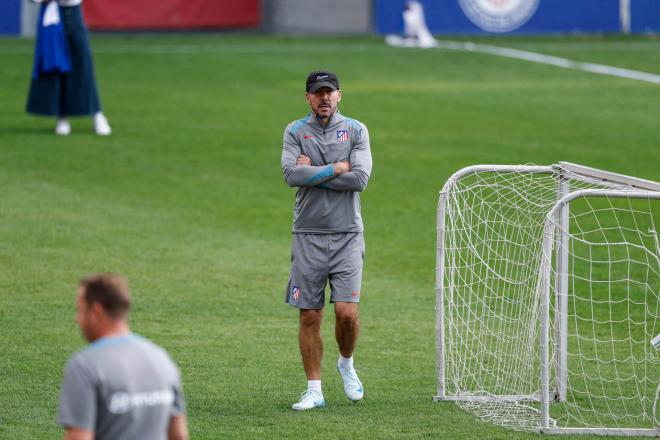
(321, 78)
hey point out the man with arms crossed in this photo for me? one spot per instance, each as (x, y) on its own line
(328, 157)
(121, 386)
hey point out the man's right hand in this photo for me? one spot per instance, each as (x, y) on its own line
(341, 167)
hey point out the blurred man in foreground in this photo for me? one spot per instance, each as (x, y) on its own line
(122, 386)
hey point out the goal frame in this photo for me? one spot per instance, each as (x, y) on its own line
(557, 219)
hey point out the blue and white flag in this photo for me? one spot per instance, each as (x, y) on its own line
(51, 54)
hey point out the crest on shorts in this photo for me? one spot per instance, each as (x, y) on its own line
(295, 293)
(342, 135)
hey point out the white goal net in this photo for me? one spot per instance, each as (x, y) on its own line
(548, 298)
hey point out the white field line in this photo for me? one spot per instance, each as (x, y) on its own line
(535, 57)
(288, 47)
(208, 47)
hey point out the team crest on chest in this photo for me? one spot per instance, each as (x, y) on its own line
(342, 135)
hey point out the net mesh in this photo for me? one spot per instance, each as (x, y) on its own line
(493, 240)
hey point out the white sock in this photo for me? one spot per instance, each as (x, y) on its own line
(345, 362)
(314, 385)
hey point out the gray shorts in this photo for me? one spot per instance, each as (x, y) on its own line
(317, 259)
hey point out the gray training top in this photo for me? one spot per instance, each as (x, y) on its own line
(122, 387)
(326, 204)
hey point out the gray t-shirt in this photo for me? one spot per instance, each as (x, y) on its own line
(326, 204)
(122, 387)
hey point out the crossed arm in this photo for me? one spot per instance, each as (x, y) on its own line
(338, 168)
(299, 171)
(348, 175)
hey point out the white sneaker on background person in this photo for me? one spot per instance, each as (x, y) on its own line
(63, 128)
(101, 125)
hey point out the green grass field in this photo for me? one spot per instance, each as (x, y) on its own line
(186, 198)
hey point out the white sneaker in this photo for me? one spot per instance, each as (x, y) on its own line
(352, 385)
(308, 400)
(63, 128)
(101, 125)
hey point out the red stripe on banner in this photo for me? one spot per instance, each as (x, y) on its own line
(171, 14)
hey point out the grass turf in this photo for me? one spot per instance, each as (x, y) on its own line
(186, 199)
